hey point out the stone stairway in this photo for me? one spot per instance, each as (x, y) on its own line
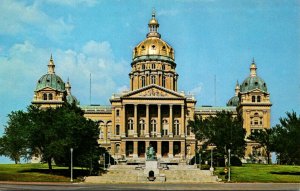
(133, 174)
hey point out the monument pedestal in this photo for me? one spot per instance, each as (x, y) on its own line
(151, 165)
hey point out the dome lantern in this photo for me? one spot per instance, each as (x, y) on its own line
(237, 88)
(253, 69)
(51, 66)
(153, 27)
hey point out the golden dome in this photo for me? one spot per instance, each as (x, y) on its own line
(153, 45)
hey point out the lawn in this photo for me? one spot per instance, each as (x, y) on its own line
(262, 173)
(37, 173)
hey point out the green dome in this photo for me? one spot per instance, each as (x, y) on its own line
(50, 80)
(234, 101)
(72, 99)
(253, 82)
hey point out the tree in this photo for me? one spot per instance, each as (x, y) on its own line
(51, 133)
(224, 130)
(287, 139)
(14, 143)
(265, 138)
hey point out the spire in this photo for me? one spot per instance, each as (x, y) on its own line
(237, 88)
(51, 66)
(253, 69)
(68, 87)
(153, 26)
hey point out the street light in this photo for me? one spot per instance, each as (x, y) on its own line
(104, 160)
(212, 146)
(71, 164)
(199, 160)
(229, 165)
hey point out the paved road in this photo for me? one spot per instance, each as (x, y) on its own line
(150, 186)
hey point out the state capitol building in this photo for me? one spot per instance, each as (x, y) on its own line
(153, 112)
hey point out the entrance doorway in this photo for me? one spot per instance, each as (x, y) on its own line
(141, 149)
(176, 148)
(165, 149)
(129, 148)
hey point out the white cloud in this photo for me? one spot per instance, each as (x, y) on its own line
(73, 3)
(197, 90)
(17, 17)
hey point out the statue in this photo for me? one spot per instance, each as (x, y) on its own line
(151, 155)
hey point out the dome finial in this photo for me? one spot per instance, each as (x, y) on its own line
(51, 66)
(68, 87)
(237, 88)
(253, 69)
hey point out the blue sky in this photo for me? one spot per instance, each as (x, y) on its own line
(210, 37)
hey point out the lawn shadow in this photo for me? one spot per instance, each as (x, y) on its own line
(286, 173)
(60, 172)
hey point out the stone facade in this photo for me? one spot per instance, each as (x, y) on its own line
(153, 112)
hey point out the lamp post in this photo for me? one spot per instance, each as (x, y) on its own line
(71, 164)
(104, 161)
(199, 160)
(212, 146)
(229, 165)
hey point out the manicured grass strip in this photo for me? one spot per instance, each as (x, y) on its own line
(262, 173)
(37, 173)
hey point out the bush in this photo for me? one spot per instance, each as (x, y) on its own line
(235, 161)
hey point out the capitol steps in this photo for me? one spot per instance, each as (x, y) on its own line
(129, 174)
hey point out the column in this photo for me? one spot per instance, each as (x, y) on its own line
(135, 149)
(147, 143)
(147, 121)
(170, 149)
(123, 149)
(171, 121)
(182, 125)
(158, 152)
(158, 132)
(135, 123)
(182, 149)
(123, 126)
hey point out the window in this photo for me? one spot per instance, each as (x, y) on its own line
(153, 79)
(253, 98)
(258, 98)
(50, 96)
(108, 130)
(176, 127)
(164, 81)
(44, 96)
(101, 128)
(143, 81)
(118, 112)
(165, 127)
(117, 129)
(143, 66)
(130, 124)
(163, 67)
(142, 125)
(153, 126)
(153, 66)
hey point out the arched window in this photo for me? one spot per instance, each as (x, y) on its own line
(117, 148)
(101, 129)
(253, 98)
(143, 81)
(165, 127)
(142, 125)
(258, 98)
(50, 96)
(143, 66)
(118, 113)
(130, 124)
(153, 79)
(117, 129)
(153, 126)
(44, 96)
(176, 127)
(164, 81)
(153, 66)
(163, 67)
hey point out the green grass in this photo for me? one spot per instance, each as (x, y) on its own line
(37, 173)
(262, 173)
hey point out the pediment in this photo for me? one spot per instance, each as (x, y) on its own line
(47, 88)
(153, 91)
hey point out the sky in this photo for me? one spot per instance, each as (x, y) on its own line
(214, 41)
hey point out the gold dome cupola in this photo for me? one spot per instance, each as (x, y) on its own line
(153, 61)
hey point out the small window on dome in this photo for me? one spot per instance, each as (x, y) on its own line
(264, 84)
(58, 81)
(153, 46)
(256, 83)
(39, 81)
(164, 47)
(246, 84)
(143, 47)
